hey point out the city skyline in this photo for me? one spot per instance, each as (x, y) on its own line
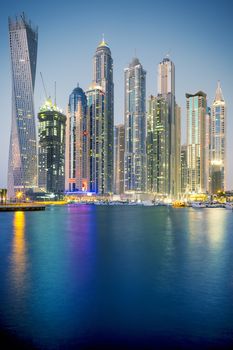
(144, 46)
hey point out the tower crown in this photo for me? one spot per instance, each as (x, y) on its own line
(103, 45)
(219, 94)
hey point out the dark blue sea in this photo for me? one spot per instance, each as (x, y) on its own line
(110, 277)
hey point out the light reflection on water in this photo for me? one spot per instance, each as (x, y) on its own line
(207, 226)
(73, 274)
(216, 227)
(18, 251)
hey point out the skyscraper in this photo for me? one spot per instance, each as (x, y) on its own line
(52, 124)
(158, 146)
(197, 161)
(103, 76)
(76, 142)
(177, 172)
(135, 127)
(166, 88)
(96, 134)
(218, 143)
(119, 152)
(22, 166)
(166, 77)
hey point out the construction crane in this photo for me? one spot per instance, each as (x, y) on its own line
(45, 92)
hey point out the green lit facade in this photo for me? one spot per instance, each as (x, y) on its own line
(52, 125)
(158, 146)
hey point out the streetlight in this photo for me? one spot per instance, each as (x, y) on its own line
(19, 195)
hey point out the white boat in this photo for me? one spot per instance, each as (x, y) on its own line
(135, 203)
(198, 205)
(229, 206)
(100, 203)
(147, 203)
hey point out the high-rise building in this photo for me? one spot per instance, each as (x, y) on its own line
(166, 77)
(183, 166)
(76, 142)
(218, 143)
(166, 88)
(135, 127)
(177, 172)
(96, 124)
(103, 76)
(52, 124)
(158, 146)
(119, 152)
(197, 141)
(22, 166)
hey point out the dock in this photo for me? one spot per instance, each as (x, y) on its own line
(21, 207)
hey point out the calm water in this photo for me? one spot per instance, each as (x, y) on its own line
(117, 277)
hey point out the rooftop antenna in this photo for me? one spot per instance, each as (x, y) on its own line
(168, 54)
(45, 92)
(135, 52)
(103, 37)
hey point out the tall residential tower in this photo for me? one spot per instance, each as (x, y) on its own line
(218, 143)
(76, 142)
(96, 122)
(22, 166)
(52, 126)
(135, 127)
(197, 143)
(119, 152)
(166, 88)
(158, 146)
(103, 76)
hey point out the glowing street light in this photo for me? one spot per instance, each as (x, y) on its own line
(19, 195)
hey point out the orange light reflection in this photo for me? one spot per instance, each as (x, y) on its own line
(19, 257)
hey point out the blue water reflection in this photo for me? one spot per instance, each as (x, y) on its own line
(81, 276)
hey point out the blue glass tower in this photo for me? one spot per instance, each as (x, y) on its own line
(135, 127)
(76, 142)
(22, 166)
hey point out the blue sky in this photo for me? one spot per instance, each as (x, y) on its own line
(197, 34)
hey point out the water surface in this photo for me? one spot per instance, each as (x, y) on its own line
(117, 277)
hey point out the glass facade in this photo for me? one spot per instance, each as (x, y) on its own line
(96, 121)
(103, 76)
(119, 152)
(135, 127)
(52, 124)
(158, 146)
(22, 166)
(76, 142)
(218, 143)
(197, 143)
(166, 88)
(184, 177)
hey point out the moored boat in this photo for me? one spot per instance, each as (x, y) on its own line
(147, 203)
(178, 204)
(229, 206)
(198, 205)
